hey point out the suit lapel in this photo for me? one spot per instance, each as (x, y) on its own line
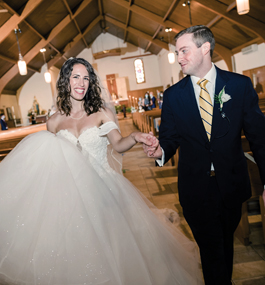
(189, 100)
(221, 81)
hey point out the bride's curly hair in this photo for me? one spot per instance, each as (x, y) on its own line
(92, 100)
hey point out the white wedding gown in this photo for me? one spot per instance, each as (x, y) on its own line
(68, 218)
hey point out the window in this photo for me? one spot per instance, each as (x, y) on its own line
(139, 71)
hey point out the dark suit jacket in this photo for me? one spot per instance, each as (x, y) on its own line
(181, 126)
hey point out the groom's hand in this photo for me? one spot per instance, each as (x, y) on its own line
(154, 150)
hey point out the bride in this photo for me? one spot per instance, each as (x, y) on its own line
(68, 218)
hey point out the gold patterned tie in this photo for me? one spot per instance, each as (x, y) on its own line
(206, 107)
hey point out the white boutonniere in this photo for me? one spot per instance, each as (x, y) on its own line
(222, 97)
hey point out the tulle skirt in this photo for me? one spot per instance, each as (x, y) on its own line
(63, 222)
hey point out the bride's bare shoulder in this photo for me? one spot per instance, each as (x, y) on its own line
(53, 122)
(106, 115)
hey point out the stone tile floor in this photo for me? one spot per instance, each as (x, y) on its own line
(159, 185)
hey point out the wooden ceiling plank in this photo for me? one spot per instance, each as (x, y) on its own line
(127, 24)
(244, 21)
(3, 3)
(53, 61)
(137, 33)
(170, 10)
(13, 22)
(82, 7)
(172, 7)
(214, 21)
(92, 24)
(100, 7)
(153, 37)
(254, 41)
(149, 15)
(9, 92)
(74, 20)
(231, 6)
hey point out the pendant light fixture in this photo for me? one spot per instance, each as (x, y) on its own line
(47, 75)
(242, 6)
(171, 55)
(22, 66)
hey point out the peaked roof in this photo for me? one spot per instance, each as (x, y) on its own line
(66, 27)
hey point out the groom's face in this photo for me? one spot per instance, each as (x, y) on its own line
(189, 56)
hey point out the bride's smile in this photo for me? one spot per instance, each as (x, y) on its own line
(79, 82)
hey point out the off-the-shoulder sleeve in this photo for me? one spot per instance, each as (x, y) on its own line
(107, 127)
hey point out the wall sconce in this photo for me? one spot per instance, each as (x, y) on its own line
(242, 6)
(22, 66)
(171, 55)
(47, 75)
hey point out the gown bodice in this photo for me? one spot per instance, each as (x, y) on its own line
(93, 144)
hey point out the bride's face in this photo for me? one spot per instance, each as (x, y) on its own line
(79, 82)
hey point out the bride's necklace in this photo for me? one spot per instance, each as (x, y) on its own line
(79, 117)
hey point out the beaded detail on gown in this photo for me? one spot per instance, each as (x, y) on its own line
(71, 219)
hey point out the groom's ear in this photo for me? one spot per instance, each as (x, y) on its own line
(206, 48)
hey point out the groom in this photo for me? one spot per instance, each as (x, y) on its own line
(213, 177)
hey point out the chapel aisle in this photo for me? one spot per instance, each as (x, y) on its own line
(159, 185)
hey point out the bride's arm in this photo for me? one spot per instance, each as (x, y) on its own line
(122, 144)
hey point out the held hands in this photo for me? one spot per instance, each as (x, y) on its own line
(153, 149)
(147, 139)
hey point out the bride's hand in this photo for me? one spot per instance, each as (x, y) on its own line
(147, 139)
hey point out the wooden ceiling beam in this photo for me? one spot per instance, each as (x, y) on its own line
(11, 60)
(74, 20)
(127, 20)
(245, 21)
(137, 33)
(14, 21)
(170, 10)
(149, 15)
(54, 60)
(153, 37)
(82, 7)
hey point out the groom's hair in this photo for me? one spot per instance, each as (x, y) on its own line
(201, 35)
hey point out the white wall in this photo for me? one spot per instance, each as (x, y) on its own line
(251, 60)
(123, 68)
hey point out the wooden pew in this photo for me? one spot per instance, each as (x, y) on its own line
(243, 229)
(4, 152)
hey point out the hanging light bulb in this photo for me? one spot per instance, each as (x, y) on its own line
(171, 57)
(22, 65)
(242, 6)
(47, 75)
